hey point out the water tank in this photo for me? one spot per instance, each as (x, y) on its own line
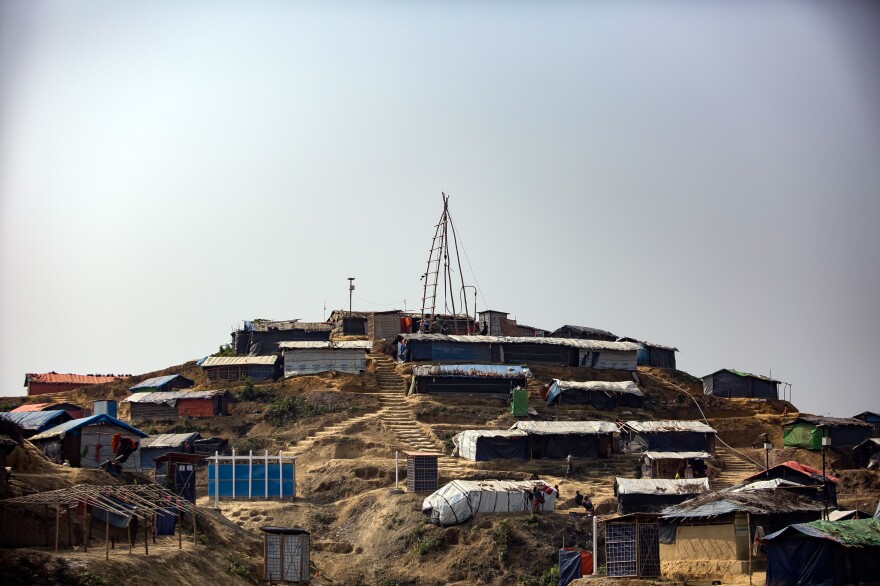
(104, 408)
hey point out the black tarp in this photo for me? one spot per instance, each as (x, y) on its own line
(559, 446)
(677, 441)
(464, 353)
(539, 353)
(728, 384)
(468, 384)
(847, 435)
(511, 448)
(659, 357)
(569, 566)
(601, 400)
(800, 561)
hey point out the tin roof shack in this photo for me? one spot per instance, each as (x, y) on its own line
(261, 337)
(349, 356)
(481, 445)
(872, 419)
(496, 323)
(807, 432)
(602, 395)
(470, 379)
(461, 500)
(558, 439)
(174, 404)
(162, 384)
(583, 333)
(158, 445)
(651, 354)
(729, 383)
(866, 452)
(714, 531)
(374, 325)
(632, 546)
(85, 443)
(34, 422)
(824, 553)
(75, 411)
(801, 474)
(233, 368)
(52, 382)
(668, 464)
(651, 495)
(669, 436)
(509, 350)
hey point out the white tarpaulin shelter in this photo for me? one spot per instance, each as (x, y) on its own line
(311, 357)
(461, 500)
(487, 444)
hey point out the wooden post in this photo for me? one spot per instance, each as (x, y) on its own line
(107, 537)
(195, 541)
(179, 531)
(146, 541)
(57, 526)
(128, 529)
(155, 516)
(87, 527)
(749, 541)
(69, 530)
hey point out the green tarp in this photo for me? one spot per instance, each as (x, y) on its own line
(519, 402)
(802, 435)
(851, 533)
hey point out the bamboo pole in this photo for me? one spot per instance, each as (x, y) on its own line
(107, 538)
(146, 541)
(57, 526)
(128, 529)
(155, 515)
(195, 541)
(87, 529)
(179, 531)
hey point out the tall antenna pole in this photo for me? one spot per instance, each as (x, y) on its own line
(439, 261)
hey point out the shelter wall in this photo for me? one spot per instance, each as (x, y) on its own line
(234, 372)
(383, 326)
(658, 357)
(313, 360)
(95, 445)
(607, 359)
(701, 543)
(200, 407)
(38, 388)
(464, 384)
(152, 411)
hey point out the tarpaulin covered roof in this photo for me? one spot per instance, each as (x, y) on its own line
(35, 420)
(764, 502)
(597, 385)
(291, 324)
(240, 360)
(649, 344)
(668, 425)
(828, 421)
(743, 374)
(170, 397)
(772, 484)
(475, 370)
(103, 418)
(571, 342)
(584, 330)
(798, 467)
(461, 500)
(492, 433)
(678, 455)
(168, 440)
(83, 379)
(870, 441)
(565, 427)
(327, 344)
(661, 486)
(849, 533)
(31, 407)
(158, 381)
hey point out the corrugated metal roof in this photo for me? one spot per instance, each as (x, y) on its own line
(158, 381)
(32, 420)
(327, 344)
(31, 407)
(170, 396)
(742, 374)
(476, 370)
(828, 421)
(628, 387)
(83, 379)
(570, 342)
(660, 486)
(648, 344)
(77, 423)
(678, 455)
(563, 427)
(168, 440)
(239, 360)
(668, 425)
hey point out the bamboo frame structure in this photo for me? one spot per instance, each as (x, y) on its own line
(147, 500)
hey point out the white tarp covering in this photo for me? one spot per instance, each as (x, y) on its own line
(678, 455)
(466, 441)
(461, 500)
(661, 486)
(608, 359)
(312, 360)
(598, 385)
(668, 425)
(565, 427)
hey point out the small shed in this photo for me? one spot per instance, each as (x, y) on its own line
(668, 464)
(174, 404)
(602, 395)
(286, 555)
(807, 431)
(583, 333)
(632, 546)
(261, 338)
(669, 436)
(651, 354)
(421, 471)
(481, 445)
(651, 495)
(473, 379)
(155, 446)
(461, 500)
(872, 419)
(301, 358)
(730, 383)
(53, 382)
(75, 411)
(234, 368)
(34, 422)
(558, 439)
(162, 383)
(85, 442)
(176, 471)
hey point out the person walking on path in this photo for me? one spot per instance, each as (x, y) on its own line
(569, 468)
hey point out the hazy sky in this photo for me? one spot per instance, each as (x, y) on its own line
(699, 174)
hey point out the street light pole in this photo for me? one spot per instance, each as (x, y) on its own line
(350, 292)
(463, 294)
(826, 441)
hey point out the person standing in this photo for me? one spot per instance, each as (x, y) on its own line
(569, 468)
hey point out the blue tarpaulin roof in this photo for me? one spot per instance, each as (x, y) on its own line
(36, 420)
(156, 382)
(78, 423)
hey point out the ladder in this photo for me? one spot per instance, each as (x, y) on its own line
(438, 264)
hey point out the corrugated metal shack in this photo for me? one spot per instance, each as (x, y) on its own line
(261, 338)
(85, 443)
(75, 411)
(479, 379)
(602, 395)
(651, 354)
(173, 404)
(34, 422)
(162, 383)
(872, 419)
(53, 382)
(558, 439)
(481, 445)
(154, 446)
(729, 383)
(807, 432)
(234, 368)
(508, 350)
(349, 356)
(669, 436)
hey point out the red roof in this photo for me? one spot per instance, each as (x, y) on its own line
(46, 407)
(82, 379)
(797, 466)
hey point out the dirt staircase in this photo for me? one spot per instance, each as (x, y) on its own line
(734, 469)
(332, 430)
